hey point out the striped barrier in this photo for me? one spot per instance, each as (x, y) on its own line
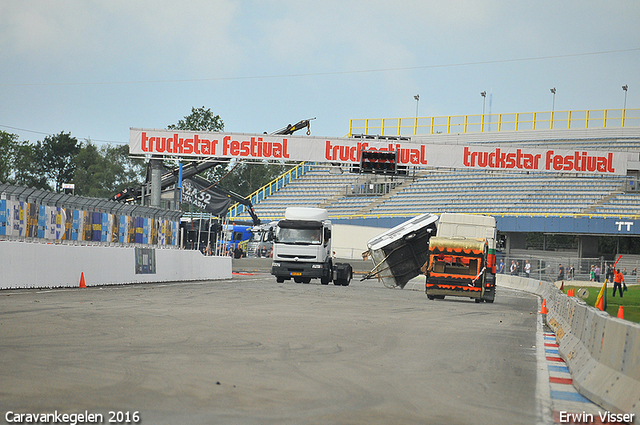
(601, 351)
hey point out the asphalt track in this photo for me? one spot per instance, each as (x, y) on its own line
(252, 351)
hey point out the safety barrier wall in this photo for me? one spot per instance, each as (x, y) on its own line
(38, 265)
(602, 352)
(33, 214)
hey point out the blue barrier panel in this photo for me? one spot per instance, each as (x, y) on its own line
(96, 226)
(3, 217)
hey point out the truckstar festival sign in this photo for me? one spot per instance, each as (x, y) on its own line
(342, 150)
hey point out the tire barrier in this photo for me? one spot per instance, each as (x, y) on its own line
(601, 351)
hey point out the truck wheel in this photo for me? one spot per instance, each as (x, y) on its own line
(325, 280)
(297, 280)
(337, 282)
(348, 281)
(280, 279)
(306, 279)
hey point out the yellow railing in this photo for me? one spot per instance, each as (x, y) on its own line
(270, 188)
(514, 214)
(519, 121)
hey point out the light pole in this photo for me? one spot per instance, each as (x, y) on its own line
(553, 107)
(415, 126)
(624, 108)
(484, 98)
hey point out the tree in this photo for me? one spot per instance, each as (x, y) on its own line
(200, 120)
(27, 168)
(56, 155)
(103, 171)
(8, 146)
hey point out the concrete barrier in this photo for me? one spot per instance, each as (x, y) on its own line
(36, 265)
(601, 351)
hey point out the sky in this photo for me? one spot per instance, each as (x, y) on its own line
(97, 68)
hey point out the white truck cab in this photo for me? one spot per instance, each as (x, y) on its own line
(302, 248)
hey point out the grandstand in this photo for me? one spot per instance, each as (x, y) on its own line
(494, 192)
(437, 191)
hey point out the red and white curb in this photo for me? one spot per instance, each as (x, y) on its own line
(558, 400)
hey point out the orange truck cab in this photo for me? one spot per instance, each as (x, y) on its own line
(462, 258)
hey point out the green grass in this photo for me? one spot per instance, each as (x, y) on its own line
(630, 302)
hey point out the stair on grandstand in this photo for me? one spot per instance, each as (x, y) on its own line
(313, 189)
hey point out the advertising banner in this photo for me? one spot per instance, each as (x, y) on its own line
(198, 196)
(341, 150)
(145, 260)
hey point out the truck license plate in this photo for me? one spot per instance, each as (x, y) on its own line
(296, 273)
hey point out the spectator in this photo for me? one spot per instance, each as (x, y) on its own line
(592, 274)
(609, 273)
(560, 272)
(527, 269)
(513, 268)
(596, 272)
(501, 267)
(634, 271)
(572, 272)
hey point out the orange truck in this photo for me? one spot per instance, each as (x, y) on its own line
(462, 258)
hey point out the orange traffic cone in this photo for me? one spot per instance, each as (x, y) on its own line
(82, 285)
(571, 292)
(543, 310)
(620, 313)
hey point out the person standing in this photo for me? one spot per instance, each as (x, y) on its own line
(618, 279)
(501, 268)
(513, 268)
(609, 273)
(527, 269)
(560, 272)
(597, 273)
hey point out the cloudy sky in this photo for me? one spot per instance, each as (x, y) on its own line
(97, 68)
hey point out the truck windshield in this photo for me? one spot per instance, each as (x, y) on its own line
(299, 236)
